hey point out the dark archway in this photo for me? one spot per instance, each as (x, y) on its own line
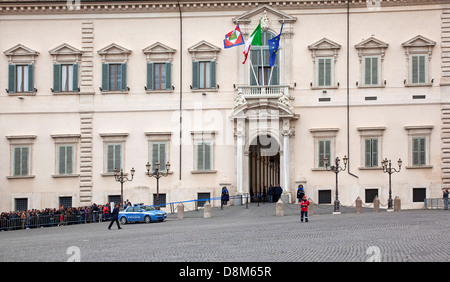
(264, 166)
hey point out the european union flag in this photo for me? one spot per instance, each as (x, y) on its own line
(274, 44)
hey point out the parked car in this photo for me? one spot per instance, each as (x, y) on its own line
(141, 213)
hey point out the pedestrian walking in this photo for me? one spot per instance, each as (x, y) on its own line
(300, 192)
(445, 196)
(304, 203)
(224, 198)
(115, 217)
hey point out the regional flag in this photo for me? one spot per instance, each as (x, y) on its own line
(254, 40)
(233, 38)
(274, 44)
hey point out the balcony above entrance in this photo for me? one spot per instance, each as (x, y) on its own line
(263, 91)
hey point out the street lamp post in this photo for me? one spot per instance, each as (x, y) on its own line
(118, 175)
(157, 174)
(336, 169)
(390, 170)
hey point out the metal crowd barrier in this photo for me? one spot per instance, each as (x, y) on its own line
(434, 203)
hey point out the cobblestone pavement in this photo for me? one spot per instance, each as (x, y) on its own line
(241, 234)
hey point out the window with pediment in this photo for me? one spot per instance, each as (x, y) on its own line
(114, 69)
(159, 68)
(418, 51)
(66, 61)
(371, 56)
(21, 65)
(324, 55)
(204, 61)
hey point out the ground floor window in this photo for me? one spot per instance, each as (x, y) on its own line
(202, 196)
(324, 196)
(419, 195)
(162, 200)
(65, 202)
(371, 194)
(21, 204)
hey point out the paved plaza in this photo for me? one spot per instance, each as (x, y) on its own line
(244, 234)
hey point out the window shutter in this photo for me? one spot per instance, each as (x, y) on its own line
(213, 74)
(75, 77)
(17, 160)
(200, 156)
(110, 158)
(374, 71)
(328, 72)
(124, 77)
(207, 156)
(415, 151)
(367, 70)
(374, 153)
(422, 69)
(422, 151)
(24, 161)
(69, 160)
(150, 81)
(195, 78)
(117, 156)
(11, 78)
(105, 77)
(155, 154)
(62, 159)
(57, 78)
(162, 156)
(168, 76)
(367, 153)
(30, 78)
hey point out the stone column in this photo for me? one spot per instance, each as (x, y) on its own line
(239, 162)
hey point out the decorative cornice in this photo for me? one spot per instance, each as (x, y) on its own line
(137, 6)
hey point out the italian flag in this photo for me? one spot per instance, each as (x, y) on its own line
(255, 40)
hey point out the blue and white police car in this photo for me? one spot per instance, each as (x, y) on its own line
(141, 213)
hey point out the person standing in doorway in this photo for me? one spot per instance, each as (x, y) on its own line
(300, 192)
(225, 197)
(304, 203)
(445, 196)
(115, 217)
(270, 193)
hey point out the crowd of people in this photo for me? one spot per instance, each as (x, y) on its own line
(54, 217)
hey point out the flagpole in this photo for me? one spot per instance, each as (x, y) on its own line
(253, 70)
(270, 78)
(262, 66)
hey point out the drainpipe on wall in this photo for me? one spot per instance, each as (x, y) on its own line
(181, 81)
(348, 89)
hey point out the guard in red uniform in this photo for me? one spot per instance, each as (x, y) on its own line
(304, 203)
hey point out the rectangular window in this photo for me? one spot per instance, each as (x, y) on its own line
(65, 160)
(114, 157)
(202, 197)
(324, 196)
(67, 78)
(160, 76)
(65, 202)
(371, 70)
(204, 156)
(324, 152)
(162, 200)
(22, 78)
(115, 77)
(371, 152)
(419, 195)
(21, 204)
(204, 75)
(159, 155)
(21, 160)
(419, 151)
(324, 71)
(418, 67)
(370, 195)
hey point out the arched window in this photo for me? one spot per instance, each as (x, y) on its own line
(260, 70)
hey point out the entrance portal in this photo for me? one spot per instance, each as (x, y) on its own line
(264, 166)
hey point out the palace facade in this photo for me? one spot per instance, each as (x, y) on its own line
(93, 86)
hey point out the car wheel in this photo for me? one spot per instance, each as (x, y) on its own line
(147, 219)
(123, 220)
